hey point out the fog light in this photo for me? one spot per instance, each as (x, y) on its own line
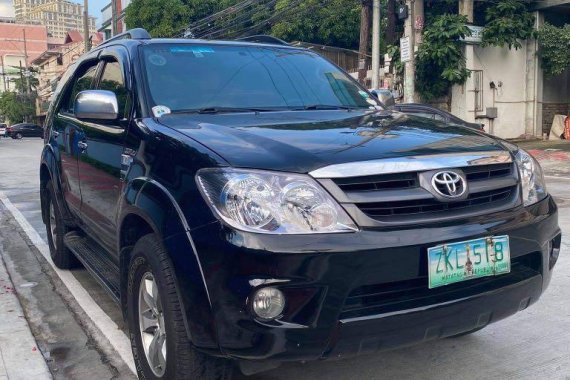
(268, 303)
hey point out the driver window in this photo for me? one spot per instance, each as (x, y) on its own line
(83, 81)
(112, 80)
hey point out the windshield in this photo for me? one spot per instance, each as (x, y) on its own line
(191, 77)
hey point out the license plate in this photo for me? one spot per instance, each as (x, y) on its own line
(466, 260)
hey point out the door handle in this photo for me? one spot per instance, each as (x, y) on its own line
(82, 145)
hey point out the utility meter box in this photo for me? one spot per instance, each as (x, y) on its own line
(491, 112)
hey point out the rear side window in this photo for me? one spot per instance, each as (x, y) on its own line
(82, 81)
(112, 80)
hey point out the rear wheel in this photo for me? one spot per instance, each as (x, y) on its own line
(160, 345)
(19, 136)
(56, 229)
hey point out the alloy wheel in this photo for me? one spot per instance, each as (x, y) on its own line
(151, 324)
(53, 224)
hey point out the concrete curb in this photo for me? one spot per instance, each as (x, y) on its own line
(19, 356)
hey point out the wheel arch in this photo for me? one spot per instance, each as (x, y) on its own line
(49, 172)
(148, 207)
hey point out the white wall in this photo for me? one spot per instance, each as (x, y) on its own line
(499, 65)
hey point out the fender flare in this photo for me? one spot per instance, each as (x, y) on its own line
(50, 161)
(152, 202)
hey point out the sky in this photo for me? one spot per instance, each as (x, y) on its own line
(6, 9)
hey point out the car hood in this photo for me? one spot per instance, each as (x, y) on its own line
(302, 141)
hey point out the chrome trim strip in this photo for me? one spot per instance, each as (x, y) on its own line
(412, 164)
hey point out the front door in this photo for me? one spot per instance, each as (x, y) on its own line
(100, 161)
(68, 132)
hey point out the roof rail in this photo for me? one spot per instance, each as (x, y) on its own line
(263, 39)
(133, 34)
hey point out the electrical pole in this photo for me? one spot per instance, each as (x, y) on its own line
(3, 72)
(364, 38)
(86, 24)
(391, 17)
(27, 83)
(375, 43)
(410, 66)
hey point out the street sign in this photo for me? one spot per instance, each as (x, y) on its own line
(405, 51)
(476, 35)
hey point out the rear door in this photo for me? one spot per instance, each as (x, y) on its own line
(68, 132)
(100, 161)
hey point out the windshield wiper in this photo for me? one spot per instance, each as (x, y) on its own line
(312, 107)
(215, 110)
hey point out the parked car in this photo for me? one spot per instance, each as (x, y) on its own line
(18, 131)
(430, 112)
(243, 213)
(2, 129)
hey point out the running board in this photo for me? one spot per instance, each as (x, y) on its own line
(96, 260)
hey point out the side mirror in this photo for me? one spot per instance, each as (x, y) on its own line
(385, 96)
(97, 105)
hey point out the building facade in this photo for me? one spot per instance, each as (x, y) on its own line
(60, 16)
(20, 44)
(507, 90)
(53, 63)
(112, 16)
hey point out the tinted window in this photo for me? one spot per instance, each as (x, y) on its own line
(190, 77)
(112, 80)
(82, 81)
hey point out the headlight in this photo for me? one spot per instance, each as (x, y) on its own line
(532, 179)
(271, 202)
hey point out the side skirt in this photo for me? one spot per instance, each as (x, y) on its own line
(96, 260)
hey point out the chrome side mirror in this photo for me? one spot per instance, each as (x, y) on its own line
(96, 105)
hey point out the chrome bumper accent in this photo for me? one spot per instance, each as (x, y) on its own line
(412, 164)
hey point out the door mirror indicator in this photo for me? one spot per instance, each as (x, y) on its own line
(96, 105)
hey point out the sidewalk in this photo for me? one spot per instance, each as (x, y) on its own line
(20, 358)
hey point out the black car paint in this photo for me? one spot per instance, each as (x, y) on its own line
(215, 264)
(25, 130)
(415, 108)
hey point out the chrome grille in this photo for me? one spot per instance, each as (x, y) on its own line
(389, 197)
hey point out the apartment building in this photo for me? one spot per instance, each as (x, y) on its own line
(60, 16)
(18, 42)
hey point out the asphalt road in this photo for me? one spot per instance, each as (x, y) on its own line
(534, 344)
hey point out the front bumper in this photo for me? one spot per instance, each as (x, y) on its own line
(356, 292)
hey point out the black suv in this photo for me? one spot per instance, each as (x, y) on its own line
(250, 203)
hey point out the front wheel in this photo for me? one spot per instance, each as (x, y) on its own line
(160, 345)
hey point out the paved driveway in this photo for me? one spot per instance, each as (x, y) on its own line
(534, 344)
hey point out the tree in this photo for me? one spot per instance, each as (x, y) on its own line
(508, 22)
(17, 107)
(440, 61)
(161, 18)
(554, 48)
(334, 22)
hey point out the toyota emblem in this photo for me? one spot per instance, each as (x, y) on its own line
(449, 184)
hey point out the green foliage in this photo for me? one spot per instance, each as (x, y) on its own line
(337, 23)
(440, 62)
(508, 21)
(17, 107)
(394, 52)
(554, 48)
(161, 18)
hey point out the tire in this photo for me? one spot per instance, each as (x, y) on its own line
(19, 136)
(150, 263)
(62, 257)
(466, 333)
